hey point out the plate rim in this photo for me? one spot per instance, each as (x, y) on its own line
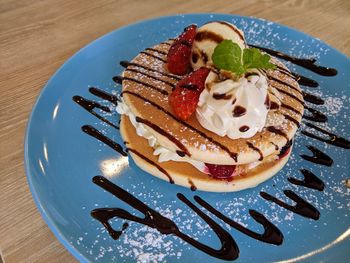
(29, 174)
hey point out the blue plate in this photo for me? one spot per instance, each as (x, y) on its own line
(61, 160)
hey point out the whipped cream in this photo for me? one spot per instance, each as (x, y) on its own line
(233, 108)
(164, 154)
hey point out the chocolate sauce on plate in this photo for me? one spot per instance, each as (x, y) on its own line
(302, 207)
(310, 180)
(88, 129)
(317, 157)
(153, 219)
(333, 138)
(303, 62)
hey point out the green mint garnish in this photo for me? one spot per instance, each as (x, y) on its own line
(228, 56)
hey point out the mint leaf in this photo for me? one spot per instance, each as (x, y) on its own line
(253, 58)
(228, 56)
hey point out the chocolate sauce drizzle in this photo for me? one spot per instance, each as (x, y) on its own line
(251, 146)
(90, 105)
(290, 108)
(303, 62)
(152, 163)
(104, 95)
(88, 129)
(150, 76)
(273, 129)
(317, 157)
(310, 180)
(223, 96)
(126, 64)
(333, 138)
(315, 116)
(157, 50)
(305, 81)
(290, 118)
(289, 94)
(192, 185)
(153, 219)
(271, 234)
(312, 98)
(302, 207)
(164, 133)
(119, 80)
(153, 56)
(283, 83)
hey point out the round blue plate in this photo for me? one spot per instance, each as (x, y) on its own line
(61, 160)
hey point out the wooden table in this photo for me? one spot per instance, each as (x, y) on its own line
(36, 37)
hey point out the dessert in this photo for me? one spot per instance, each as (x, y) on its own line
(206, 111)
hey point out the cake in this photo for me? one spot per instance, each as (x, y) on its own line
(196, 115)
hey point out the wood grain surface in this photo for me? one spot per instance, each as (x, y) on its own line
(36, 37)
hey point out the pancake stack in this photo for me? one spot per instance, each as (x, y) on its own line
(149, 123)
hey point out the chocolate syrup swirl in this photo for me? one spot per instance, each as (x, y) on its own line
(119, 80)
(305, 81)
(333, 138)
(90, 105)
(271, 234)
(164, 133)
(303, 62)
(126, 64)
(152, 163)
(302, 207)
(315, 116)
(251, 146)
(153, 219)
(310, 180)
(88, 129)
(317, 157)
(223, 147)
(313, 98)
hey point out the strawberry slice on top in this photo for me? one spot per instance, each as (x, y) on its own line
(185, 97)
(178, 58)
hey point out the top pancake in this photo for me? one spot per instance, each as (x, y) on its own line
(147, 85)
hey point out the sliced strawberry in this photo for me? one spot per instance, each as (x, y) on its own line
(185, 97)
(221, 171)
(178, 59)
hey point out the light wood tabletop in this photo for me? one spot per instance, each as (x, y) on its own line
(36, 37)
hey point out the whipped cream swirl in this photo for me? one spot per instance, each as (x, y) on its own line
(234, 108)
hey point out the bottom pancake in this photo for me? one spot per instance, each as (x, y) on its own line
(185, 174)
